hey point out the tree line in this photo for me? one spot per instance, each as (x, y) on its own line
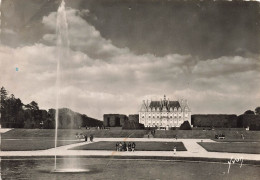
(15, 114)
(256, 112)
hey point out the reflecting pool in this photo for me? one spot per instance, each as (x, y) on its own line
(111, 168)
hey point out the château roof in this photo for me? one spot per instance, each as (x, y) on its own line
(165, 105)
(168, 104)
(173, 104)
(155, 104)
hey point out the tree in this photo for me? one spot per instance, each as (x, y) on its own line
(257, 110)
(12, 112)
(185, 126)
(3, 94)
(32, 106)
(249, 112)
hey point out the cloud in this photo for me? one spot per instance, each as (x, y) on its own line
(226, 65)
(83, 36)
(98, 77)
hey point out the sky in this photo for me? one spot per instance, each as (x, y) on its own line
(123, 52)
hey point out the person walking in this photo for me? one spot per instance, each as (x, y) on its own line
(117, 146)
(91, 138)
(242, 136)
(133, 147)
(174, 150)
(129, 146)
(124, 146)
(86, 138)
(120, 146)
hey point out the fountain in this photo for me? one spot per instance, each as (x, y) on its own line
(63, 50)
(0, 100)
(62, 46)
(0, 12)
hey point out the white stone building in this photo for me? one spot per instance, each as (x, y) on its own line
(164, 113)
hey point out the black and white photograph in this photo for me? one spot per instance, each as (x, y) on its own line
(130, 89)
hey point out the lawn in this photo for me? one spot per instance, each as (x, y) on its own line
(207, 134)
(140, 146)
(236, 140)
(70, 133)
(116, 133)
(232, 147)
(31, 144)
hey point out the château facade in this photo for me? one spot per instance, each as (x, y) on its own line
(164, 113)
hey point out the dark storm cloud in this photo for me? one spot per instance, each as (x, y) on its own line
(205, 29)
(24, 18)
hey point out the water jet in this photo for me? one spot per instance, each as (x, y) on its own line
(69, 165)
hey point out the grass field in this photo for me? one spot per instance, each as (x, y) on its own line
(232, 147)
(70, 133)
(236, 140)
(114, 133)
(207, 134)
(140, 146)
(30, 144)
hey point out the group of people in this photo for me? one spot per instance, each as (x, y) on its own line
(220, 136)
(82, 136)
(125, 147)
(153, 132)
(91, 137)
